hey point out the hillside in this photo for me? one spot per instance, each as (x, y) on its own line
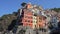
(6, 20)
(56, 9)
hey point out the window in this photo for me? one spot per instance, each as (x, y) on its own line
(44, 18)
(34, 17)
(31, 21)
(35, 14)
(31, 17)
(28, 20)
(35, 21)
(25, 16)
(28, 17)
(40, 20)
(35, 26)
(25, 20)
(39, 25)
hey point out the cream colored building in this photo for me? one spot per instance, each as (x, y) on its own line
(34, 21)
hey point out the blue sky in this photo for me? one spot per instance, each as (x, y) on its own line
(9, 6)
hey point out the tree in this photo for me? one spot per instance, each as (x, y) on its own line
(56, 9)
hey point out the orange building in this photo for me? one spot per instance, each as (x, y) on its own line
(27, 18)
(41, 21)
(32, 19)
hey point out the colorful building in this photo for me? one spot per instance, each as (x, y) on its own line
(41, 23)
(27, 19)
(30, 17)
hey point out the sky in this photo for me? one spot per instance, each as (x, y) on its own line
(10, 6)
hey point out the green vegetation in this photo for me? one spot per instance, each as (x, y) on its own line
(56, 9)
(6, 20)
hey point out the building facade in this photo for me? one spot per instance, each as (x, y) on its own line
(31, 17)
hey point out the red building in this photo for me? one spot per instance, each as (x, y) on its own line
(27, 20)
(32, 19)
(41, 21)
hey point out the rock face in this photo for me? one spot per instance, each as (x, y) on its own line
(30, 31)
(25, 30)
(6, 20)
(20, 30)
